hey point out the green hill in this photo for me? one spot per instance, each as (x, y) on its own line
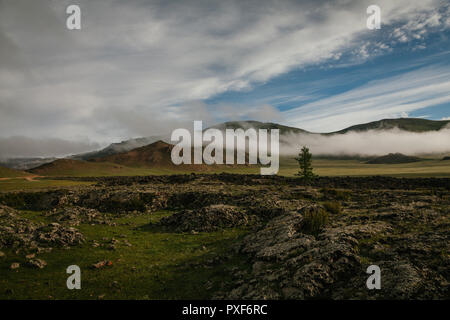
(407, 124)
(393, 158)
(258, 125)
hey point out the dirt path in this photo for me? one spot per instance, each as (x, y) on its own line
(28, 178)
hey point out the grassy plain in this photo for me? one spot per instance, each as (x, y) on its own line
(324, 167)
(158, 265)
(288, 167)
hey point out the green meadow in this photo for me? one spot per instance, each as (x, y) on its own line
(158, 265)
(325, 167)
(288, 167)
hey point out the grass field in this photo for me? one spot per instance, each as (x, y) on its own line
(102, 169)
(159, 265)
(288, 167)
(88, 169)
(426, 168)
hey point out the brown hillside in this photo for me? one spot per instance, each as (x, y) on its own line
(69, 167)
(157, 154)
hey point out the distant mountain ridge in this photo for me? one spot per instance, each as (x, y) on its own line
(406, 124)
(119, 147)
(258, 125)
(155, 154)
(393, 158)
(128, 145)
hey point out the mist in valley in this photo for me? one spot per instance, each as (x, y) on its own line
(369, 143)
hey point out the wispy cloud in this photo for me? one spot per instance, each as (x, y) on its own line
(386, 98)
(137, 67)
(18, 146)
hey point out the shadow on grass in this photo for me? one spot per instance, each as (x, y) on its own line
(155, 228)
(205, 275)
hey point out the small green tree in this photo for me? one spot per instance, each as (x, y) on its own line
(305, 163)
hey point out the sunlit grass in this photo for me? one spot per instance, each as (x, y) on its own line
(427, 168)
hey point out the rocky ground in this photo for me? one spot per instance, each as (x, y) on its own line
(310, 241)
(207, 219)
(21, 233)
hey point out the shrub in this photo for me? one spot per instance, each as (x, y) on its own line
(333, 207)
(314, 220)
(31, 200)
(336, 194)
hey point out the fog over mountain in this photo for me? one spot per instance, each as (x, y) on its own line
(369, 143)
(405, 135)
(19, 146)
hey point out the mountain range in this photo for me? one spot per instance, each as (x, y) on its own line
(134, 151)
(406, 124)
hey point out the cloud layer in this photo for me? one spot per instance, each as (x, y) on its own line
(370, 143)
(139, 68)
(18, 146)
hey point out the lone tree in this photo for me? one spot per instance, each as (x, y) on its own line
(305, 163)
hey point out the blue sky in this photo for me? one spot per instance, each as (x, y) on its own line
(304, 86)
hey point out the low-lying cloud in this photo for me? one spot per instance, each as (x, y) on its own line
(369, 143)
(19, 146)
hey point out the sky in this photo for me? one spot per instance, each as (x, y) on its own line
(141, 68)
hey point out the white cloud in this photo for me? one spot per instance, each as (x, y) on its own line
(371, 143)
(18, 146)
(137, 67)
